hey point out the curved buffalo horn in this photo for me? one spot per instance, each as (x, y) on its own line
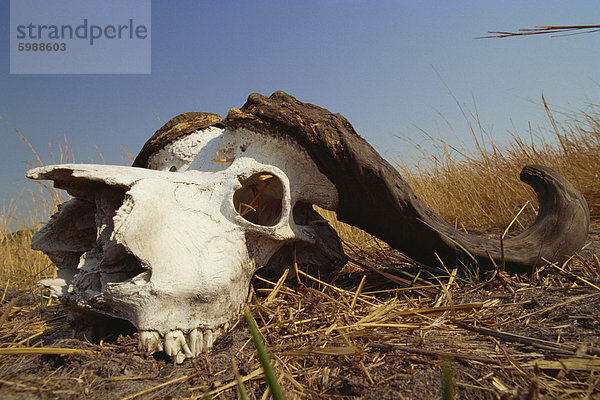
(374, 197)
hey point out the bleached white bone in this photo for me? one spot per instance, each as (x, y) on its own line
(169, 248)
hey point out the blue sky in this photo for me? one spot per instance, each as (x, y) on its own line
(374, 62)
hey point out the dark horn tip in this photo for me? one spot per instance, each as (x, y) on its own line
(562, 225)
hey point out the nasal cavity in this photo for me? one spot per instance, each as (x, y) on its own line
(260, 199)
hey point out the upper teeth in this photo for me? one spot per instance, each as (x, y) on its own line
(177, 345)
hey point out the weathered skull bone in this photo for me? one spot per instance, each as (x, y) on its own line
(174, 252)
(171, 246)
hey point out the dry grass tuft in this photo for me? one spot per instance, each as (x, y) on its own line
(344, 338)
(480, 188)
(19, 264)
(338, 339)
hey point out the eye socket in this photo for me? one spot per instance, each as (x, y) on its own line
(303, 213)
(260, 199)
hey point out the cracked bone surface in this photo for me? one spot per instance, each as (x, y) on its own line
(172, 248)
(171, 243)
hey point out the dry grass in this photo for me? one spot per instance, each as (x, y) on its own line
(480, 189)
(22, 217)
(348, 233)
(505, 339)
(341, 339)
(545, 30)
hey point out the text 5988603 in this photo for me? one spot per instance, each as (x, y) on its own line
(43, 46)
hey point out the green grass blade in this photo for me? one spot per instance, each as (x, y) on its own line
(243, 395)
(264, 358)
(448, 386)
(241, 387)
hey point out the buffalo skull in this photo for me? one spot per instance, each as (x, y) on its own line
(171, 243)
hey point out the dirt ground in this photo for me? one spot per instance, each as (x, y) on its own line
(504, 338)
